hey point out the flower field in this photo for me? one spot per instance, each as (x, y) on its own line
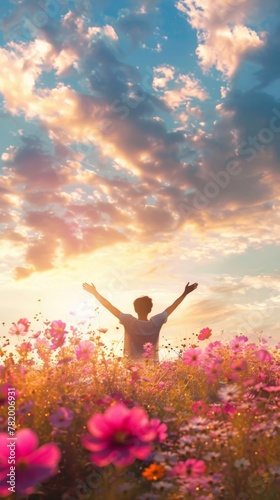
(90, 425)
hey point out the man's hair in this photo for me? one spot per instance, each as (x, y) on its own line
(143, 305)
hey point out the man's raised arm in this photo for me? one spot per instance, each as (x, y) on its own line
(188, 289)
(91, 289)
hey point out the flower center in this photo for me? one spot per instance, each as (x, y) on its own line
(22, 465)
(120, 437)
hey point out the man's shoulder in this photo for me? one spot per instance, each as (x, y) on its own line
(161, 316)
(126, 317)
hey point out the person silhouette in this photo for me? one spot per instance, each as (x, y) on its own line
(140, 331)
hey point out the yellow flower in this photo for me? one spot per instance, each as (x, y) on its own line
(154, 472)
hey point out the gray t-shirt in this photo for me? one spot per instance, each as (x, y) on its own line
(138, 332)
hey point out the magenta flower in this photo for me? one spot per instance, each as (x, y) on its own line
(199, 407)
(84, 350)
(190, 468)
(119, 436)
(62, 418)
(264, 356)
(32, 464)
(205, 333)
(192, 356)
(159, 428)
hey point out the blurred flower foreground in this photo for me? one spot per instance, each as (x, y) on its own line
(91, 425)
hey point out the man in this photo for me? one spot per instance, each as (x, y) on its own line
(141, 331)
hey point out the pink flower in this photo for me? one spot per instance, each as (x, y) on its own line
(102, 330)
(17, 329)
(148, 350)
(62, 418)
(229, 408)
(205, 333)
(25, 322)
(148, 346)
(239, 365)
(213, 368)
(84, 350)
(192, 356)
(57, 341)
(32, 465)
(191, 468)
(36, 335)
(199, 407)
(119, 436)
(57, 327)
(24, 348)
(264, 356)
(159, 428)
(238, 342)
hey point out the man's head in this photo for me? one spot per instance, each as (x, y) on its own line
(143, 305)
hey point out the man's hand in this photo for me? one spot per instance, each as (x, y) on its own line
(190, 288)
(89, 288)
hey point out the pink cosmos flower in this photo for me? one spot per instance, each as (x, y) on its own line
(62, 418)
(238, 342)
(148, 350)
(159, 428)
(25, 323)
(32, 465)
(192, 356)
(57, 327)
(205, 333)
(84, 350)
(119, 436)
(57, 341)
(213, 368)
(17, 329)
(191, 468)
(199, 407)
(264, 356)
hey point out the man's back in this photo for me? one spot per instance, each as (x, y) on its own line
(139, 332)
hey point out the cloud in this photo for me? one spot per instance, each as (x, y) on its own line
(223, 38)
(143, 174)
(188, 88)
(163, 75)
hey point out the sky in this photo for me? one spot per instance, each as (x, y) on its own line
(140, 150)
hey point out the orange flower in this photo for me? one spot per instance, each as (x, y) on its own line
(154, 472)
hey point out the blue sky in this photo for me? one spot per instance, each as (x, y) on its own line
(141, 140)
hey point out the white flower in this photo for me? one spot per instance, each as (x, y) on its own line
(17, 329)
(274, 470)
(242, 463)
(228, 393)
